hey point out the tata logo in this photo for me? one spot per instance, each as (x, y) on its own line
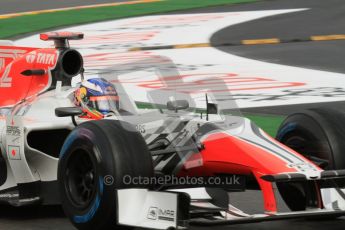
(41, 58)
(48, 59)
(31, 57)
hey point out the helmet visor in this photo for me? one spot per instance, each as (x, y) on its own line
(105, 104)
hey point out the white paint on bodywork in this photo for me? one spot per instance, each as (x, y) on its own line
(135, 206)
(36, 114)
(332, 199)
(16, 153)
(195, 193)
(41, 116)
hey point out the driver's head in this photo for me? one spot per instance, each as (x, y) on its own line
(97, 97)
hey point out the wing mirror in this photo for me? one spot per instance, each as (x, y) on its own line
(177, 105)
(212, 108)
(69, 112)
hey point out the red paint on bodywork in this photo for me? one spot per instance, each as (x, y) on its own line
(228, 154)
(14, 86)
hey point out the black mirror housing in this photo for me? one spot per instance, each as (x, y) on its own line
(68, 111)
(212, 108)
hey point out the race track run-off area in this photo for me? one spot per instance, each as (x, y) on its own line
(251, 83)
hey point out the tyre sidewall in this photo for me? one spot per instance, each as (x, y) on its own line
(117, 150)
(84, 139)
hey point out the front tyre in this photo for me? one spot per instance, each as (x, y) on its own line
(94, 159)
(318, 134)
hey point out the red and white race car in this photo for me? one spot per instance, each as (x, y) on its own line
(126, 169)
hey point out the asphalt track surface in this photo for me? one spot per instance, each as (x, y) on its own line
(325, 17)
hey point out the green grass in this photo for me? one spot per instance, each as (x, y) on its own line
(269, 123)
(11, 27)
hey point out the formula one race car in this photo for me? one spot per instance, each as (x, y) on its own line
(88, 148)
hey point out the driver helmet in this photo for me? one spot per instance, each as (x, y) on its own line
(97, 97)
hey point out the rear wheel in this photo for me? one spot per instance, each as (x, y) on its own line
(318, 134)
(93, 162)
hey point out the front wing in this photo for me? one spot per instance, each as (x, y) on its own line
(170, 210)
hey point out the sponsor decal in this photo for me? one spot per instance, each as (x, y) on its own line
(41, 58)
(30, 57)
(44, 58)
(141, 129)
(13, 152)
(13, 131)
(302, 166)
(155, 213)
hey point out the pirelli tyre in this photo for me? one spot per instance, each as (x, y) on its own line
(318, 134)
(94, 159)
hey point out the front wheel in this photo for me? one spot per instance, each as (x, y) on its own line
(317, 134)
(94, 159)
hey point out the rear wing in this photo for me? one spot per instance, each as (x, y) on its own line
(61, 38)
